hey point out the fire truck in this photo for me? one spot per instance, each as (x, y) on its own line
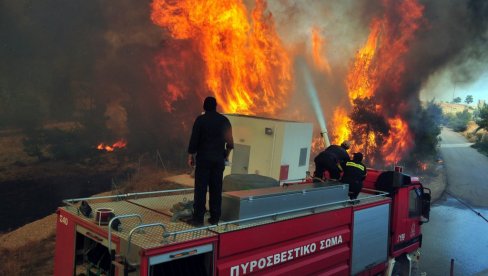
(269, 226)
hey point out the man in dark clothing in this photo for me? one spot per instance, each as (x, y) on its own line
(210, 145)
(329, 160)
(354, 174)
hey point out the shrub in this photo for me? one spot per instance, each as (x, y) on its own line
(458, 122)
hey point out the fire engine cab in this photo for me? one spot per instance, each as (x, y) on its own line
(291, 227)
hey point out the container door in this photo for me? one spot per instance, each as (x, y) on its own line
(240, 159)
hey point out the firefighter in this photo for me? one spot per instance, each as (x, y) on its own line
(210, 145)
(354, 174)
(330, 160)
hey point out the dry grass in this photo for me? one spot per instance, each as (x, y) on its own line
(480, 138)
(12, 154)
(470, 135)
(32, 258)
(148, 178)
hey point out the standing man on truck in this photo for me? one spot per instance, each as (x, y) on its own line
(210, 145)
(354, 174)
(330, 160)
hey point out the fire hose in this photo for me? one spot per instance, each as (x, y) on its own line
(469, 207)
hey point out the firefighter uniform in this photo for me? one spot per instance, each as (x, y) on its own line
(354, 174)
(329, 159)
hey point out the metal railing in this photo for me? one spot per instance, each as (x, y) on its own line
(71, 202)
(141, 227)
(119, 218)
(275, 215)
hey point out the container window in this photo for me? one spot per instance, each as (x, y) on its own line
(303, 157)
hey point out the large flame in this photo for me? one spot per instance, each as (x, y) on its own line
(397, 142)
(362, 78)
(247, 68)
(246, 65)
(342, 126)
(379, 64)
(318, 44)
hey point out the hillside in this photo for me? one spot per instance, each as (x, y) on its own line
(455, 107)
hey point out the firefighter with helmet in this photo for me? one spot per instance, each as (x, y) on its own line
(354, 174)
(330, 160)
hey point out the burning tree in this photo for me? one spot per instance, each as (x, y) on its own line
(369, 128)
(375, 84)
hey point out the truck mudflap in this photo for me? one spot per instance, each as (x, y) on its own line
(406, 264)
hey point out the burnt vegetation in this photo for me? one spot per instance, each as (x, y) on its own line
(366, 120)
(67, 84)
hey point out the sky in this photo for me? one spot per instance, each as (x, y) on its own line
(442, 87)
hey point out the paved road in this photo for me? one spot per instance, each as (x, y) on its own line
(458, 227)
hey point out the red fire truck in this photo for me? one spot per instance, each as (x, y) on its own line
(296, 228)
(267, 227)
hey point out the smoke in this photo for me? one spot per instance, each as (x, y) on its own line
(59, 57)
(453, 36)
(452, 45)
(117, 119)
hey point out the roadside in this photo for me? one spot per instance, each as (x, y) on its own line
(463, 207)
(437, 183)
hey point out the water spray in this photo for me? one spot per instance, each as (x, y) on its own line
(314, 100)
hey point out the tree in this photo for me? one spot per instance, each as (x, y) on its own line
(427, 131)
(469, 99)
(482, 120)
(457, 100)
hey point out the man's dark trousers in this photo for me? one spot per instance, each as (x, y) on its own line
(208, 174)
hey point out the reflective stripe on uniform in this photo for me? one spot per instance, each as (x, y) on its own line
(352, 164)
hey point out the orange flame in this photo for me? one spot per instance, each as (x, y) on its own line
(362, 79)
(398, 141)
(117, 145)
(318, 43)
(341, 122)
(422, 166)
(379, 63)
(246, 65)
(317, 145)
